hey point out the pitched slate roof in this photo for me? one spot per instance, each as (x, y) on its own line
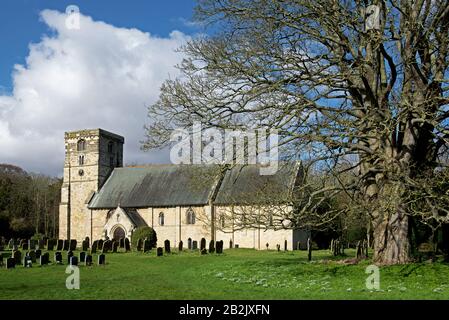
(185, 185)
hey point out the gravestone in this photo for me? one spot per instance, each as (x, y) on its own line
(121, 243)
(309, 249)
(72, 245)
(127, 245)
(1, 259)
(58, 257)
(220, 247)
(106, 246)
(10, 243)
(160, 253)
(73, 261)
(180, 246)
(38, 253)
(66, 245)
(27, 262)
(146, 245)
(194, 245)
(31, 244)
(41, 244)
(82, 256)
(212, 246)
(94, 247)
(204, 251)
(285, 245)
(85, 245)
(69, 255)
(139, 245)
(10, 263)
(50, 244)
(101, 260)
(202, 244)
(189, 244)
(59, 245)
(167, 246)
(33, 256)
(44, 259)
(230, 244)
(298, 245)
(24, 246)
(17, 256)
(88, 260)
(100, 244)
(236, 246)
(115, 245)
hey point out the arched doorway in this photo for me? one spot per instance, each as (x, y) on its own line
(119, 233)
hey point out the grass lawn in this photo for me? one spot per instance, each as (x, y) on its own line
(237, 274)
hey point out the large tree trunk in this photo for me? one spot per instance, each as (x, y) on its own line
(391, 241)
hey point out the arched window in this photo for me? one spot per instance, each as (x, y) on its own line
(110, 146)
(81, 160)
(161, 219)
(81, 145)
(190, 216)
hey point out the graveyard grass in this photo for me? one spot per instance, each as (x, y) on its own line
(237, 274)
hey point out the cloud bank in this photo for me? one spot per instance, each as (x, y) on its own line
(97, 76)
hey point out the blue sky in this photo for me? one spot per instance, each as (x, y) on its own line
(104, 74)
(20, 23)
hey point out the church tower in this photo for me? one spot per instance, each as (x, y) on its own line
(90, 157)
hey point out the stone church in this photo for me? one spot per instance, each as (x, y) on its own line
(101, 198)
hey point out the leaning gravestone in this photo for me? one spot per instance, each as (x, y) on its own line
(146, 245)
(88, 260)
(159, 252)
(189, 244)
(10, 263)
(101, 260)
(212, 246)
(139, 245)
(82, 256)
(94, 247)
(73, 261)
(127, 245)
(115, 246)
(167, 246)
(17, 256)
(69, 255)
(194, 245)
(72, 245)
(180, 246)
(58, 257)
(59, 245)
(202, 244)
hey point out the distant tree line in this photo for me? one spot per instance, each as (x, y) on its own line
(28, 203)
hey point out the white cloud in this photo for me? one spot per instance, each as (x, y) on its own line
(97, 76)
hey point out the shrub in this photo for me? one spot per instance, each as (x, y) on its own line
(38, 236)
(142, 233)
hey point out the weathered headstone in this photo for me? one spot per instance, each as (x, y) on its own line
(212, 246)
(101, 260)
(127, 245)
(285, 245)
(167, 246)
(24, 246)
(73, 261)
(50, 244)
(180, 246)
(44, 259)
(17, 256)
(204, 251)
(82, 256)
(107, 246)
(121, 243)
(59, 245)
(160, 253)
(58, 257)
(146, 245)
(41, 244)
(10, 263)
(202, 244)
(236, 246)
(230, 244)
(220, 247)
(27, 262)
(85, 245)
(189, 243)
(194, 245)
(100, 244)
(10, 243)
(69, 255)
(72, 245)
(33, 256)
(115, 245)
(66, 245)
(88, 260)
(298, 245)
(38, 253)
(139, 245)
(94, 247)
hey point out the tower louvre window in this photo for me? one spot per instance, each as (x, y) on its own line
(81, 145)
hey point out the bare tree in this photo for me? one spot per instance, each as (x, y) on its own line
(362, 82)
